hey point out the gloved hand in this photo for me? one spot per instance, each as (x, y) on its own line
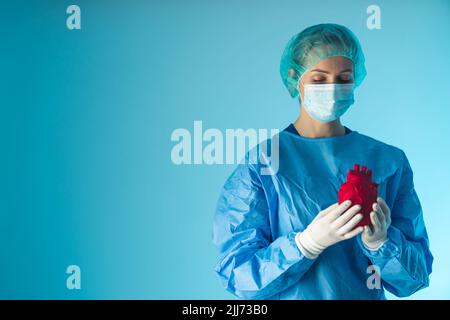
(330, 226)
(375, 236)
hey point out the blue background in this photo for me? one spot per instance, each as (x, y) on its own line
(87, 117)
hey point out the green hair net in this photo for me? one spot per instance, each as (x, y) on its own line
(315, 43)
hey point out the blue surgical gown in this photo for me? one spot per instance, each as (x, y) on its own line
(258, 215)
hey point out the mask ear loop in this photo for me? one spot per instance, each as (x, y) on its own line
(299, 82)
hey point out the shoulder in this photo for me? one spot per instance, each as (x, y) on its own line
(388, 150)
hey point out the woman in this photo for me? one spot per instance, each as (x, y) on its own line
(283, 236)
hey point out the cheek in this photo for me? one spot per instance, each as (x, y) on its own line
(301, 91)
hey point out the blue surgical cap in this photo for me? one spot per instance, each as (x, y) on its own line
(316, 43)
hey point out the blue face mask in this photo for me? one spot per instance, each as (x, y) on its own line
(327, 102)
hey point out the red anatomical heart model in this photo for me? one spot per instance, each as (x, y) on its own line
(360, 189)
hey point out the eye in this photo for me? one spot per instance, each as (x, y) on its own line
(347, 77)
(318, 79)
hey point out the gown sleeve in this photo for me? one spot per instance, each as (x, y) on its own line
(405, 260)
(252, 264)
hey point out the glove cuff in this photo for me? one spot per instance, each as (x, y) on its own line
(310, 248)
(375, 246)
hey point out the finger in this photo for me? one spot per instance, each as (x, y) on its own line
(386, 209)
(349, 226)
(333, 206)
(353, 233)
(324, 212)
(380, 214)
(346, 216)
(336, 212)
(368, 231)
(328, 210)
(375, 221)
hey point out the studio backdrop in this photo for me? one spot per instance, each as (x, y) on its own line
(99, 202)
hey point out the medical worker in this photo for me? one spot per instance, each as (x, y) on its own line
(283, 235)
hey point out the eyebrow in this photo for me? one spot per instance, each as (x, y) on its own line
(324, 71)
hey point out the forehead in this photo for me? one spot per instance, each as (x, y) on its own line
(334, 64)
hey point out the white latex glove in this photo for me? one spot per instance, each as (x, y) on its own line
(332, 225)
(375, 236)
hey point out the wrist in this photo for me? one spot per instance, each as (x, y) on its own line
(374, 245)
(310, 248)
